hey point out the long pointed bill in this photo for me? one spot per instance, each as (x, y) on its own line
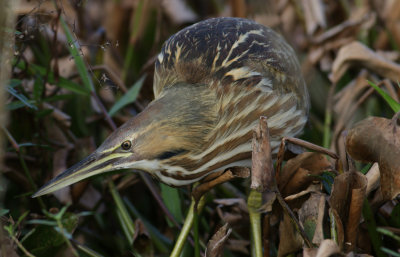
(94, 164)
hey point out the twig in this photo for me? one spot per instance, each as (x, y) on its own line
(293, 218)
(16, 147)
(302, 143)
(103, 110)
(114, 77)
(20, 246)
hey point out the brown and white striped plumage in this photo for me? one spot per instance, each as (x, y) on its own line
(249, 71)
(212, 82)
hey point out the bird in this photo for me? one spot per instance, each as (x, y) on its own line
(212, 82)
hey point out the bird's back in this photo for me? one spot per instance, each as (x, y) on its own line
(230, 50)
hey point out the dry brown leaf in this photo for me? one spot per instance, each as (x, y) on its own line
(374, 177)
(348, 194)
(216, 244)
(346, 102)
(238, 8)
(268, 199)
(212, 180)
(310, 252)
(291, 240)
(314, 15)
(311, 216)
(8, 246)
(328, 248)
(178, 11)
(391, 16)
(334, 217)
(288, 18)
(375, 140)
(90, 198)
(310, 189)
(238, 246)
(295, 175)
(358, 54)
(140, 230)
(345, 99)
(27, 7)
(58, 115)
(241, 203)
(232, 211)
(360, 18)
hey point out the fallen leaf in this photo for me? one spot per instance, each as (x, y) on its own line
(241, 203)
(238, 246)
(360, 18)
(314, 15)
(375, 139)
(391, 16)
(296, 174)
(291, 240)
(328, 248)
(178, 11)
(357, 54)
(216, 244)
(347, 198)
(373, 177)
(210, 182)
(311, 216)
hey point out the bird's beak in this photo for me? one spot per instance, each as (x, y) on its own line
(95, 163)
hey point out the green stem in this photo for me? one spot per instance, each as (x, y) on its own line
(254, 203)
(196, 235)
(327, 131)
(30, 179)
(20, 246)
(61, 227)
(126, 222)
(180, 242)
(376, 239)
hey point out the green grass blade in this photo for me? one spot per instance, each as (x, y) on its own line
(4, 212)
(159, 240)
(389, 233)
(126, 222)
(371, 227)
(390, 252)
(135, 29)
(17, 105)
(392, 103)
(21, 97)
(172, 200)
(89, 251)
(128, 98)
(75, 51)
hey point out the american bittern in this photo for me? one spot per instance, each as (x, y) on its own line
(212, 82)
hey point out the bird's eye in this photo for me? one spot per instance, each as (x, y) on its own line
(126, 145)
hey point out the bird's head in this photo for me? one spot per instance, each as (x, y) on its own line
(172, 126)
